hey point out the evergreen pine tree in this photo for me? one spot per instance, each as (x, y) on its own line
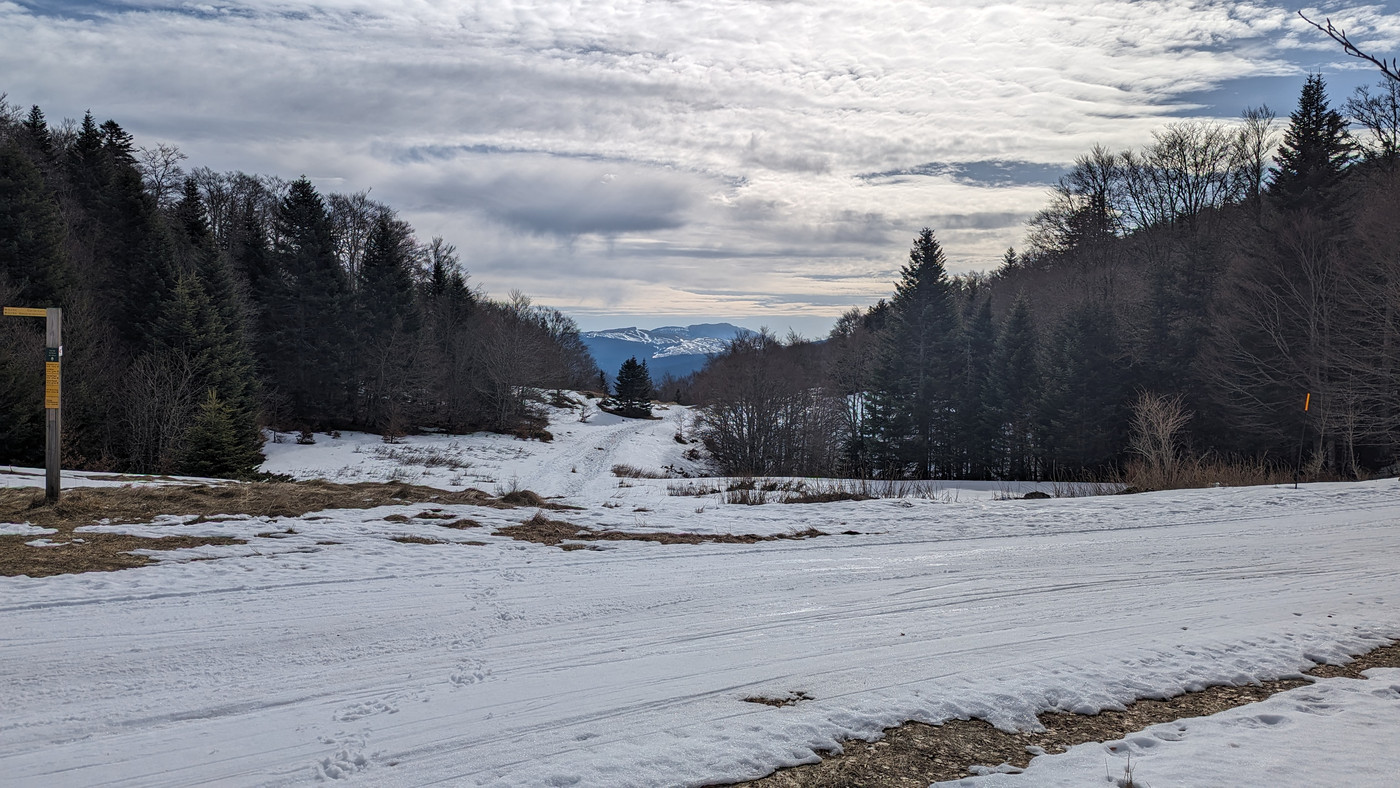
(976, 418)
(204, 320)
(911, 410)
(32, 254)
(1316, 149)
(633, 390)
(38, 130)
(388, 322)
(132, 253)
(303, 348)
(1015, 391)
(213, 445)
(85, 165)
(1084, 419)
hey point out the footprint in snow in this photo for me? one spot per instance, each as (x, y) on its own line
(357, 711)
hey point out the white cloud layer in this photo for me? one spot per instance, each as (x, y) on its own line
(725, 157)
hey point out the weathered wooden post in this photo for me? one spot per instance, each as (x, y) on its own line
(53, 393)
(53, 402)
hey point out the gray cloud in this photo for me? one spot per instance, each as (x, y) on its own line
(991, 173)
(727, 150)
(562, 197)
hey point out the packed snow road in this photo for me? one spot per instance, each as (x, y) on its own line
(291, 660)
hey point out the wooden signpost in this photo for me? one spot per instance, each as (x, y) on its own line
(53, 392)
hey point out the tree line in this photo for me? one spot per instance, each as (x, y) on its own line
(200, 306)
(1241, 270)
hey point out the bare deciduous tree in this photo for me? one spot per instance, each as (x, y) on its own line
(1379, 113)
(161, 172)
(1391, 69)
(158, 400)
(1158, 421)
(1255, 143)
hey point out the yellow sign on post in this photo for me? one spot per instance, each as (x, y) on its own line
(24, 311)
(51, 385)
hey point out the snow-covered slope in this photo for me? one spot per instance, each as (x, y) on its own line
(335, 652)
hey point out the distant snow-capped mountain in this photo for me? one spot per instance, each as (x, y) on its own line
(674, 350)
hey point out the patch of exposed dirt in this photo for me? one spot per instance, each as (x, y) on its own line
(87, 552)
(542, 530)
(465, 522)
(791, 699)
(915, 754)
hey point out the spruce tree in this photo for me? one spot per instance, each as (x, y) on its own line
(32, 252)
(1084, 419)
(1316, 150)
(976, 418)
(203, 319)
(911, 410)
(1015, 391)
(214, 445)
(132, 252)
(38, 130)
(306, 301)
(388, 323)
(633, 390)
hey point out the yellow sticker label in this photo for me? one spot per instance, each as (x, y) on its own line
(24, 311)
(51, 384)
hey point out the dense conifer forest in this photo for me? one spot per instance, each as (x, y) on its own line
(200, 306)
(1211, 283)
(1214, 279)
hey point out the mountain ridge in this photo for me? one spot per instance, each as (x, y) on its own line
(674, 350)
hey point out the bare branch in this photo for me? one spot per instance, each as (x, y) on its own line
(1390, 69)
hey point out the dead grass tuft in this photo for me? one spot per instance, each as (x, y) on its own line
(542, 530)
(530, 498)
(406, 539)
(634, 472)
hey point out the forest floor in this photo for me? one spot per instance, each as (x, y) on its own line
(481, 610)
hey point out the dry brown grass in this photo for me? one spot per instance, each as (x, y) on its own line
(1198, 472)
(634, 472)
(88, 505)
(542, 530)
(915, 754)
(92, 553)
(410, 539)
(108, 552)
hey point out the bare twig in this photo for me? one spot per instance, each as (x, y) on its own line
(1390, 69)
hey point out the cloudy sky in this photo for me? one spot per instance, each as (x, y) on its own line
(661, 161)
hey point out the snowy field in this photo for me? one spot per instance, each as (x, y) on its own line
(329, 651)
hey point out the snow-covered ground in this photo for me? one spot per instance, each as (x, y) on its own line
(334, 652)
